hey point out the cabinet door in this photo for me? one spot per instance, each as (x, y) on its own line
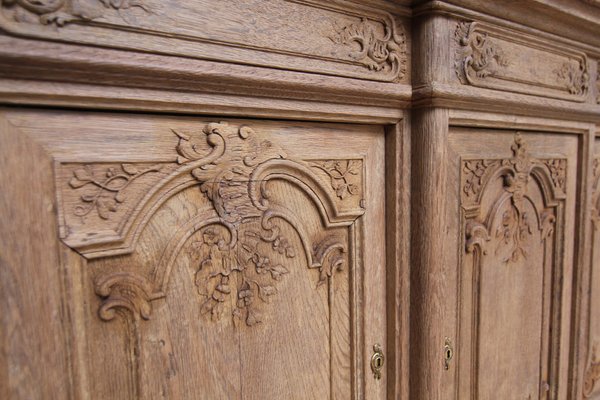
(177, 257)
(517, 194)
(591, 387)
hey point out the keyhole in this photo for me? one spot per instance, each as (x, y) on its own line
(448, 353)
(378, 362)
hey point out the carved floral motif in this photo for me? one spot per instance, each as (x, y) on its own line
(515, 224)
(106, 189)
(558, 172)
(477, 56)
(342, 174)
(239, 271)
(474, 171)
(385, 53)
(575, 78)
(61, 12)
(241, 256)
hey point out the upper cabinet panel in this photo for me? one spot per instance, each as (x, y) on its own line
(495, 58)
(303, 35)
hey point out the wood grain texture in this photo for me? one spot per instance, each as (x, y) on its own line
(35, 325)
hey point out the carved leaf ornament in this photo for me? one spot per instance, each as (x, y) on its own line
(240, 256)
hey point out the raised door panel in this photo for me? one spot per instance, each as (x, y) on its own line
(217, 259)
(591, 387)
(516, 193)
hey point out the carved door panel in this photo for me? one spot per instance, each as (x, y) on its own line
(209, 259)
(514, 235)
(591, 387)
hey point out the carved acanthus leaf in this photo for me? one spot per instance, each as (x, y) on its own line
(124, 290)
(385, 53)
(558, 172)
(61, 12)
(477, 55)
(575, 78)
(476, 236)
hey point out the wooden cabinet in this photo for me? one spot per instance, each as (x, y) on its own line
(300, 199)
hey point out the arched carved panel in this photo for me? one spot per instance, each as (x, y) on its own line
(235, 235)
(512, 212)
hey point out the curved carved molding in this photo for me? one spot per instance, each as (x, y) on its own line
(382, 53)
(241, 251)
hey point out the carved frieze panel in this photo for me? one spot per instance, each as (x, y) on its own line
(351, 41)
(495, 58)
(512, 221)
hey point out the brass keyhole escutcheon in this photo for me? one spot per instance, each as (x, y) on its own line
(448, 353)
(377, 361)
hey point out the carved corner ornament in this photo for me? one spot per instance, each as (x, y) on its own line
(515, 223)
(62, 12)
(240, 250)
(378, 52)
(477, 56)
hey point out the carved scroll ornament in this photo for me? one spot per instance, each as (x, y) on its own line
(61, 12)
(386, 53)
(478, 56)
(240, 255)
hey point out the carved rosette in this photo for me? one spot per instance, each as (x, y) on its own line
(384, 53)
(515, 223)
(61, 12)
(477, 56)
(240, 250)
